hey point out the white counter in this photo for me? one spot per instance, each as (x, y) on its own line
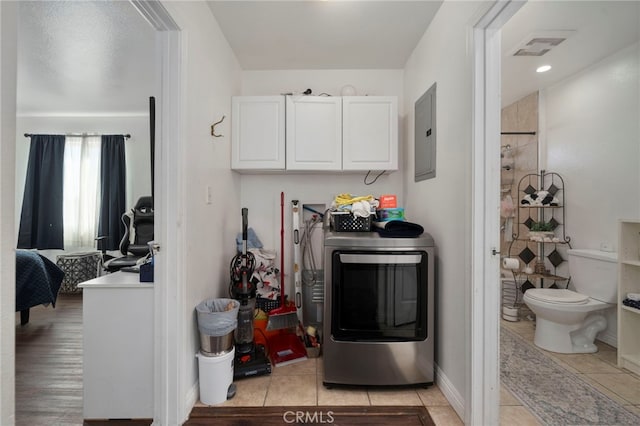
(116, 280)
(117, 317)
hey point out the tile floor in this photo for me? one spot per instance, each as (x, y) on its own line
(301, 384)
(599, 369)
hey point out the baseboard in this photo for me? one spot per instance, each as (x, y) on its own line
(609, 338)
(450, 392)
(192, 398)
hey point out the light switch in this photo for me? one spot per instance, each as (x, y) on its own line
(209, 195)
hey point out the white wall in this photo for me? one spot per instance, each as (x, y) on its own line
(211, 75)
(366, 82)
(593, 142)
(260, 193)
(443, 204)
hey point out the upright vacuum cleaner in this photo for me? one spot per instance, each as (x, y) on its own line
(251, 359)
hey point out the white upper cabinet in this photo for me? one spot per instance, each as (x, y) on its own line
(314, 133)
(258, 133)
(370, 133)
(319, 133)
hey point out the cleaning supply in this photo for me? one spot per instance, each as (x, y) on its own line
(285, 347)
(388, 202)
(250, 358)
(284, 316)
(297, 273)
(390, 214)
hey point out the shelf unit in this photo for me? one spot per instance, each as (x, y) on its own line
(628, 282)
(544, 256)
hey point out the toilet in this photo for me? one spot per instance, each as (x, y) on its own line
(568, 321)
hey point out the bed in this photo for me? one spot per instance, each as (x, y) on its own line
(37, 282)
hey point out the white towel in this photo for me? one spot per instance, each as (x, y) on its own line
(361, 209)
(508, 229)
(507, 209)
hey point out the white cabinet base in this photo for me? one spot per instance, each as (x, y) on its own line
(117, 316)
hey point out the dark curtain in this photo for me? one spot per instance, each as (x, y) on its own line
(113, 181)
(41, 224)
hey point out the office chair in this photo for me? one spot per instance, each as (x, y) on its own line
(138, 225)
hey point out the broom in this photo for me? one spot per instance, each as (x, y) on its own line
(284, 316)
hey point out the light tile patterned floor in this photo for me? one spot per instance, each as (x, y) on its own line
(599, 369)
(301, 384)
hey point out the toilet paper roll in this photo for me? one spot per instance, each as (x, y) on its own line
(510, 263)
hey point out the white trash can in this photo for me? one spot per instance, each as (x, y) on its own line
(215, 374)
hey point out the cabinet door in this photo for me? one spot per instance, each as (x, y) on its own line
(258, 132)
(314, 133)
(370, 133)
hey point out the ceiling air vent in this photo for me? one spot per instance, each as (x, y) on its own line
(539, 44)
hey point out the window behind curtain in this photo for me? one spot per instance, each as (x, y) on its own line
(81, 192)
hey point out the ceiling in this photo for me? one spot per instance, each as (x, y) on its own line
(83, 58)
(97, 57)
(596, 30)
(276, 35)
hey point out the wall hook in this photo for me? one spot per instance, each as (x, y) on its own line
(213, 128)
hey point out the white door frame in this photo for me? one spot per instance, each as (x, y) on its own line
(8, 55)
(483, 389)
(169, 394)
(169, 389)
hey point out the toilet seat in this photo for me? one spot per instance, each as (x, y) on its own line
(558, 296)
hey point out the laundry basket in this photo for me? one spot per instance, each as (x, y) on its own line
(347, 222)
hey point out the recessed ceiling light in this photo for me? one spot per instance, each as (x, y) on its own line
(543, 68)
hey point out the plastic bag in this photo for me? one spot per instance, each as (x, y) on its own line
(217, 317)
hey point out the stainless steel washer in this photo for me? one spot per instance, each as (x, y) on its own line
(379, 309)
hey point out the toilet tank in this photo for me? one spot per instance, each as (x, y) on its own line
(594, 273)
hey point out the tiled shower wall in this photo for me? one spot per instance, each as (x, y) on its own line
(520, 152)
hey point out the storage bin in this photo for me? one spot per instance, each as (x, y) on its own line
(346, 222)
(267, 304)
(77, 267)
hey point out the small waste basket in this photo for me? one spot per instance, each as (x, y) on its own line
(215, 374)
(217, 321)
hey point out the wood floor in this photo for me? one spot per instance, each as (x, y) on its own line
(49, 365)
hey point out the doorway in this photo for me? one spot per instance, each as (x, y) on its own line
(74, 77)
(551, 155)
(167, 159)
